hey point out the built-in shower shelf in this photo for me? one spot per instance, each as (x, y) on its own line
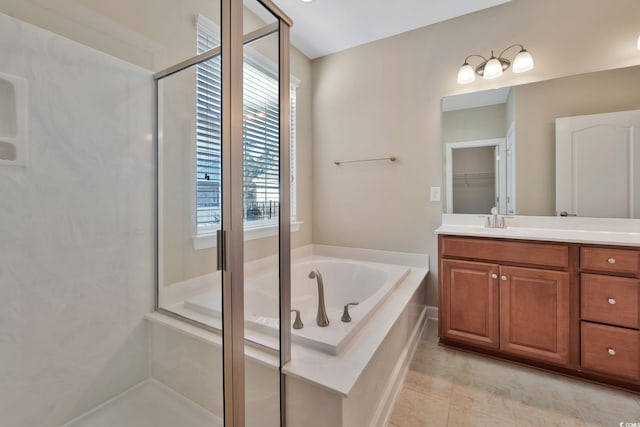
(13, 120)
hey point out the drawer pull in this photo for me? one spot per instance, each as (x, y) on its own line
(611, 352)
(494, 276)
(611, 301)
(504, 278)
(611, 260)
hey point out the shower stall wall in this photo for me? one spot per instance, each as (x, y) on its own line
(76, 230)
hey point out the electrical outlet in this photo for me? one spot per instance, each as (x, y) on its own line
(435, 194)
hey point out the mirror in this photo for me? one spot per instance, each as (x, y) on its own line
(523, 119)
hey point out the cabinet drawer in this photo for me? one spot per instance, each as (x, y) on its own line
(610, 260)
(543, 254)
(611, 351)
(609, 299)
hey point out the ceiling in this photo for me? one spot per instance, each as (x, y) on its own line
(322, 27)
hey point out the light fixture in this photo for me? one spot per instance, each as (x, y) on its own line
(494, 67)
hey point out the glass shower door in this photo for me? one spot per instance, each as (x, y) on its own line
(220, 190)
(265, 212)
(190, 202)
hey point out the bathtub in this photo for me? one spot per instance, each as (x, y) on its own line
(345, 281)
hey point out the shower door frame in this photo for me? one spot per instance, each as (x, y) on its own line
(231, 234)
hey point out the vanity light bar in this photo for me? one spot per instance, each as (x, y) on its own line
(494, 67)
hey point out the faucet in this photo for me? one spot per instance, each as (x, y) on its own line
(321, 318)
(495, 220)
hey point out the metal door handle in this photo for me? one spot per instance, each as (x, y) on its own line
(220, 258)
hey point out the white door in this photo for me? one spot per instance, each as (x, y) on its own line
(597, 160)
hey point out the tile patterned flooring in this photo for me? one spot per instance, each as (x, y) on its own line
(446, 387)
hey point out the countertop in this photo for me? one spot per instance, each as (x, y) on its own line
(601, 231)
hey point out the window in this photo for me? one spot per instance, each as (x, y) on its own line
(260, 138)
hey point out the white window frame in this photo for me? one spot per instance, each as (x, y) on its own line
(206, 238)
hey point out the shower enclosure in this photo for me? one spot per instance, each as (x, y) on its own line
(86, 241)
(223, 201)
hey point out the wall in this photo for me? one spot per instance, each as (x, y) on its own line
(383, 98)
(473, 124)
(76, 231)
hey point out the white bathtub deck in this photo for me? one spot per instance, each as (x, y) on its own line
(148, 404)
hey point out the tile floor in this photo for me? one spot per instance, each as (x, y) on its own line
(446, 387)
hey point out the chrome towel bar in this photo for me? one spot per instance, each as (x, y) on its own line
(339, 162)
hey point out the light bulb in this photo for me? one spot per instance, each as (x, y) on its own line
(493, 68)
(466, 74)
(523, 62)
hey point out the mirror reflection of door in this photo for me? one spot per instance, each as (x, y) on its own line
(476, 176)
(597, 157)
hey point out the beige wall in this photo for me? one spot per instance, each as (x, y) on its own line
(383, 98)
(474, 123)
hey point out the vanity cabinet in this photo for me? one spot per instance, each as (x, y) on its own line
(470, 295)
(609, 312)
(534, 313)
(567, 307)
(518, 304)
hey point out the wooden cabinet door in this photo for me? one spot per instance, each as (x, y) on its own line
(469, 310)
(534, 313)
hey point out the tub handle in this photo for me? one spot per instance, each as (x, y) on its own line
(297, 324)
(345, 314)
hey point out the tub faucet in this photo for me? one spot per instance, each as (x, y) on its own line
(321, 318)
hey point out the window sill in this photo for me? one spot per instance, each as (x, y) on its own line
(208, 240)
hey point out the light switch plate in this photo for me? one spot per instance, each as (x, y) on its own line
(435, 194)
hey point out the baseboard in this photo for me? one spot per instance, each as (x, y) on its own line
(432, 313)
(392, 391)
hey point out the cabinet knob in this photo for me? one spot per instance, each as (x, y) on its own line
(504, 278)
(611, 260)
(611, 301)
(611, 352)
(494, 276)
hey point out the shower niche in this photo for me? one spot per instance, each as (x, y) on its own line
(13, 120)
